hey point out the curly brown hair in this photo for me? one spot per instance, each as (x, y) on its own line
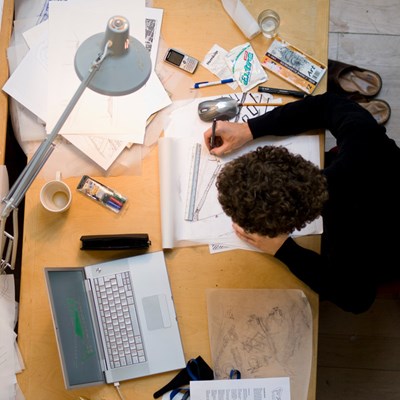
(271, 191)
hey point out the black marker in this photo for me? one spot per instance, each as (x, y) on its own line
(295, 93)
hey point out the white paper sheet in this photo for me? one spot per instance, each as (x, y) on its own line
(28, 83)
(10, 361)
(211, 225)
(234, 389)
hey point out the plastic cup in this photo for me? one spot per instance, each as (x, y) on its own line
(269, 21)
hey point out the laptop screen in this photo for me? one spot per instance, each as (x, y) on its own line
(75, 331)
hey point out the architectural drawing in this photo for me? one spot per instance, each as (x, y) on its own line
(261, 333)
(209, 169)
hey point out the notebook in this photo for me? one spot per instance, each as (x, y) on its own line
(127, 302)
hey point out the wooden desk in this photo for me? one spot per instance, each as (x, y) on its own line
(6, 26)
(53, 240)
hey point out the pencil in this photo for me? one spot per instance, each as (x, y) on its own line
(212, 140)
(261, 104)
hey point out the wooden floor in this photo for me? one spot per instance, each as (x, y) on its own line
(366, 33)
(359, 355)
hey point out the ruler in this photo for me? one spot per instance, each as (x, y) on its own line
(193, 178)
(205, 194)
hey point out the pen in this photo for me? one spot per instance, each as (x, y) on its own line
(212, 140)
(272, 104)
(115, 201)
(199, 85)
(295, 93)
(113, 205)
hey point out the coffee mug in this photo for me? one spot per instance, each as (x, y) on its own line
(55, 195)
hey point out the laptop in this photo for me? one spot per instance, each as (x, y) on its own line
(114, 320)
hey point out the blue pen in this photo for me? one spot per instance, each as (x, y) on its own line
(112, 205)
(199, 85)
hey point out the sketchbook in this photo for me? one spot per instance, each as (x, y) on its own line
(190, 211)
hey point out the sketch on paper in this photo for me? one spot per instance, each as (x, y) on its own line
(200, 204)
(44, 13)
(151, 25)
(205, 184)
(261, 333)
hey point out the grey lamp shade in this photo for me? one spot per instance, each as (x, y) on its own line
(126, 67)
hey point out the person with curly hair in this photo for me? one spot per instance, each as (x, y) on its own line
(270, 192)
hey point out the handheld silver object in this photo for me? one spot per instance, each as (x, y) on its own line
(221, 108)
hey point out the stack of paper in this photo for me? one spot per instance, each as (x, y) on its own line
(45, 79)
(10, 358)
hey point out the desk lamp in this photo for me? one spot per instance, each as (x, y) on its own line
(111, 63)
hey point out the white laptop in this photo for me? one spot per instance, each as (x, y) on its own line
(90, 304)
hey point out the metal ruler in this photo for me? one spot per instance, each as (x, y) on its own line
(193, 178)
(205, 194)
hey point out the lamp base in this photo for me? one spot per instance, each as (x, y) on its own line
(118, 75)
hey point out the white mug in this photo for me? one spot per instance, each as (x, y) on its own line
(55, 195)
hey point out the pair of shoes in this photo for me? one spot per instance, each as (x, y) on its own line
(346, 79)
(359, 85)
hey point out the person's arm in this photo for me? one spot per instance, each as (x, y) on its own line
(334, 282)
(264, 243)
(326, 111)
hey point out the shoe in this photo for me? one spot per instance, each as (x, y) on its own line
(346, 79)
(380, 109)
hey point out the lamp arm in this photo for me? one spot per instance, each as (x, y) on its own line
(8, 243)
(24, 181)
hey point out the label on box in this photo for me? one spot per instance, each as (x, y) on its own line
(293, 65)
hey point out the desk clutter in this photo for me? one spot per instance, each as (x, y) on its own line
(102, 133)
(263, 335)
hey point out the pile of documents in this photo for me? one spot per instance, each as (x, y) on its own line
(10, 358)
(44, 80)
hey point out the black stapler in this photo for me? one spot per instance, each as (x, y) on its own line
(134, 241)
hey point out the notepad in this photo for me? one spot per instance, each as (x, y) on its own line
(293, 65)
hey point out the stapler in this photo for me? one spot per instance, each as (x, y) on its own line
(116, 242)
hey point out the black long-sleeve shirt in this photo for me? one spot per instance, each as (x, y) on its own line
(362, 216)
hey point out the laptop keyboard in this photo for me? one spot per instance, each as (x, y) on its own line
(121, 328)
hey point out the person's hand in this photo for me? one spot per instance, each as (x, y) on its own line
(229, 136)
(264, 243)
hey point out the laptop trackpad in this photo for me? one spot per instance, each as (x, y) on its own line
(156, 312)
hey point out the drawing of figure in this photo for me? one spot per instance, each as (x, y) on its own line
(262, 340)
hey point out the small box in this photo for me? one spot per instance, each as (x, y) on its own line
(102, 194)
(293, 65)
